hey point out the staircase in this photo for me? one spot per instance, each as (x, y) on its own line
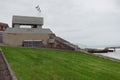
(63, 44)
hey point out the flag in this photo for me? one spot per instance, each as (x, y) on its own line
(38, 8)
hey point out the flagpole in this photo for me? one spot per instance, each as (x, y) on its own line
(38, 9)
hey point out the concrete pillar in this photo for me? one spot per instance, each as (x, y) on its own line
(114, 50)
(16, 26)
(39, 26)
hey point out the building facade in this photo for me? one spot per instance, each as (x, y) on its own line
(32, 37)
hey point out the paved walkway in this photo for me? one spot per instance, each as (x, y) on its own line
(4, 72)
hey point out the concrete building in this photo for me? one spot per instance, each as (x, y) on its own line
(3, 27)
(36, 36)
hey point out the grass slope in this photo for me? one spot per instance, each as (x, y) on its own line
(41, 64)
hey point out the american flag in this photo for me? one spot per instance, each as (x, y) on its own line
(38, 8)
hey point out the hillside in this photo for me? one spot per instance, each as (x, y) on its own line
(42, 64)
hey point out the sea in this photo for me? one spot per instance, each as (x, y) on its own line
(115, 54)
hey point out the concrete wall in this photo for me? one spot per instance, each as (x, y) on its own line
(27, 20)
(16, 39)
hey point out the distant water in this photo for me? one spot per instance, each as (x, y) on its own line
(115, 54)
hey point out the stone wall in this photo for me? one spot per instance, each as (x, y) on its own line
(16, 39)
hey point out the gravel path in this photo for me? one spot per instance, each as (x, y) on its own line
(4, 72)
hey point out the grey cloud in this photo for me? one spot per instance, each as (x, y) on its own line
(90, 22)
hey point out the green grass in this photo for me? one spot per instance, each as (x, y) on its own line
(42, 64)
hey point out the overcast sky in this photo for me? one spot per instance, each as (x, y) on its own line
(88, 22)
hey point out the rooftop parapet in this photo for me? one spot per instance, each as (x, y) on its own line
(36, 22)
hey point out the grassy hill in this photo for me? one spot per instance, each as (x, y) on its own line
(42, 64)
